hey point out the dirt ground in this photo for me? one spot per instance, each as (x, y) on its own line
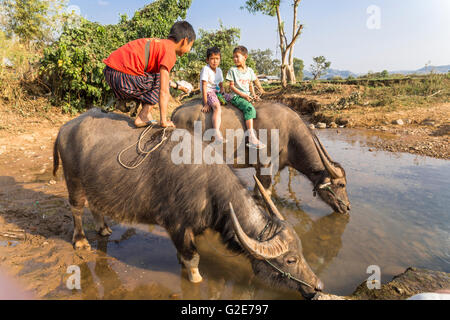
(35, 219)
(425, 129)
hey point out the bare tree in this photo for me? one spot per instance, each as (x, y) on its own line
(272, 8)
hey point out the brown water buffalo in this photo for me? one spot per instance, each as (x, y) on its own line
(185, 199)
(299, 148)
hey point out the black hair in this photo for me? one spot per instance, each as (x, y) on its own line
(242, 50)
(181, 30)
(211, 51)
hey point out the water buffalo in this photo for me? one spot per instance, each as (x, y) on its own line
(185, 199)
(299, 148)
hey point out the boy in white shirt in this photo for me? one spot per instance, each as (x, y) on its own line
(211, 83)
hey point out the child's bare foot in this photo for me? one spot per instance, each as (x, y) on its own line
(139, 122)
(218, 138)
(254, 143)
(144, 118)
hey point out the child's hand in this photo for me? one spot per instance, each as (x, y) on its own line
(184, 89)
(248, 98)
(166, 124)
(206, 108)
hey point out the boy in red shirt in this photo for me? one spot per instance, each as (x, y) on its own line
(131, 76)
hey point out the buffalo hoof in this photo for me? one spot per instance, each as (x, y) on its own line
(194, 275)
(105, 231)
(82, 244)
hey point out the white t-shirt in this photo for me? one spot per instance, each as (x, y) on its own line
(212, 78)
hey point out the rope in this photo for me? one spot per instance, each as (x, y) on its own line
(138, 143)
(283, 274)
(334, 194)
(288, 275)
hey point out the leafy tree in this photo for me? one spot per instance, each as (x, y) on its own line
(264, 63)
(384, 74)
(272, 8)
(73, 67)
(319, 67)
(298, 68)
(32, 20)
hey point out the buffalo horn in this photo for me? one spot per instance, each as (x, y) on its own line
(334, 172)
(271, 206)
(269, 249)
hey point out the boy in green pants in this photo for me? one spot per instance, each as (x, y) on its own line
(241, 77)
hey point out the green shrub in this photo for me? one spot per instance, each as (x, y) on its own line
(72, 66)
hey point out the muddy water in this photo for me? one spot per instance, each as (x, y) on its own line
(399, 218)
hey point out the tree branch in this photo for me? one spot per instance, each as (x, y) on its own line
(295, 37)
(283, 40)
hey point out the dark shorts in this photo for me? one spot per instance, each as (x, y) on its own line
(126, 86)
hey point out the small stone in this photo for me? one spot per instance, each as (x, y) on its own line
(174, 296)
(28, 138)
(370, 150)
(333, 125)
(398, 122)
(430, 123)
(43, 147)
(52, 182)
(321, 125)
(22, 149)
(312, 126)
(45, 243)
(399, 290)
(42, 171)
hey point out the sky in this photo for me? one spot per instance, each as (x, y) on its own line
(355, 35)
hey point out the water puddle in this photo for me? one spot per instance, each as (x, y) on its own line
(399, 218)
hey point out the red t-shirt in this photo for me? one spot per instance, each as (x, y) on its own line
(130, 58)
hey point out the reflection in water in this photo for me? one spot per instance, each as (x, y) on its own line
(399, 218)
(321, 238)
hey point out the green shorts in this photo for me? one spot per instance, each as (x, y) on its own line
(246, 107)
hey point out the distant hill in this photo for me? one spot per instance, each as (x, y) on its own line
(345, 74)
(425, 70)
(331, 73)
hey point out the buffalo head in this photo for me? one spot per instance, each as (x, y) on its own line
(279, 260)
(332, 188)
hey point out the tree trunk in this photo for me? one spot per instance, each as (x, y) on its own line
(284, 70)
(291, 73)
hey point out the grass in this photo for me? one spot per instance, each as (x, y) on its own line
(375, 101)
